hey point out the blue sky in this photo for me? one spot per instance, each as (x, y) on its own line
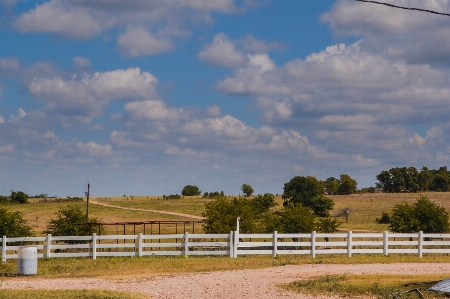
(144, 97)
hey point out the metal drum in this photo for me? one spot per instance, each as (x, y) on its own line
(27, 263)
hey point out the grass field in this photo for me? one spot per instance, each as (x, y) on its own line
(68, 294)
(365, 208)
(379, 286)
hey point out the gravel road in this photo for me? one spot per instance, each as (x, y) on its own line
(248, 284)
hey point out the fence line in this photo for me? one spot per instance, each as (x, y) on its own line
(232, 244)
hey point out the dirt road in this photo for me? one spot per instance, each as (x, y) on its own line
(153, 211)
(248, 284)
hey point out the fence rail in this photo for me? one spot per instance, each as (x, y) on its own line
(232, 244)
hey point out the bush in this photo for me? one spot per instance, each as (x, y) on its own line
(19, 197)
(385, 218)
(423, 215)
(296, 218)
(12, 224)
(70, 221)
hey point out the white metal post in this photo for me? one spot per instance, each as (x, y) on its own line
(275, 243)
(237, 223)
(231, 245)
(186, 243)
(420, 245)
(313, 244)
(49, 246)
(4, 249)
(349, 243)
(235, 244)
(94, 246)
(385, 243)
(140, 238)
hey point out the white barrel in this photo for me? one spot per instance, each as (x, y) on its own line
(27, 264)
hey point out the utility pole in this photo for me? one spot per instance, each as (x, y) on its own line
(87, 203)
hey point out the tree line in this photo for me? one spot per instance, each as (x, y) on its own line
(409, 179)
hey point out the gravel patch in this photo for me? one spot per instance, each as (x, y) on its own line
(248, 284)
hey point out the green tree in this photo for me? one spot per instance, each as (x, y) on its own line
(262, 203)
(70, 221)
(301, 190)
(12, 224)
(247, 190)
(347, 185)
(321, 205)
(190, 190)
(4, 199)
(331, 185)
(221, 215)
(423, 215)
(19, 197)
(327, 225)
(295, 218)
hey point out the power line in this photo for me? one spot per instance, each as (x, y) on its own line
(407, 8)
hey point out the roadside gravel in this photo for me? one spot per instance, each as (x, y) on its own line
(248, 284)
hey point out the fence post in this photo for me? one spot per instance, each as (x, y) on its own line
(349, 243)
(420, 245)
(275, 245)
(94, 246)
(385, 243)
(4, 249)
(186, 244)
(231, 245)
(313, 244)
(48, 246)
(140, 238)
(235, 244)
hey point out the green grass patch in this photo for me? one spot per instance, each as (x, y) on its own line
(68, 294)
(379, 286)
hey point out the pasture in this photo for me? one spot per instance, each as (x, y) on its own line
(365, 208)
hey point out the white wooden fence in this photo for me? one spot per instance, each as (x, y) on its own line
(232, 244)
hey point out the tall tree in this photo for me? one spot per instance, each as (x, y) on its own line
(19, 197)
(190, 190)
(301, 190)
(347, 185)
(247, 190)
(331, 185)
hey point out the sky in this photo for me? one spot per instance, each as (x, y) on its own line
(143, 97)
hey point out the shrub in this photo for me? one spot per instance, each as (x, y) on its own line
(385, 218)
(12, 224)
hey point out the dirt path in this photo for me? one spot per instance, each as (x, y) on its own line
(153, 211)
(248, 284)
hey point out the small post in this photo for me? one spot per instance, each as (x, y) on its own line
(235, 244)
(186, 244)
(385, 243)
(349, 243)
(275, 243)
(94, 246)
(420, 244)
(237, 223)
(4, 249)
(231, 245)
(140, 238)
(313, 244)
(48, 246)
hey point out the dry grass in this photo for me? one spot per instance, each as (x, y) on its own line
(380, 286)
(365, 208)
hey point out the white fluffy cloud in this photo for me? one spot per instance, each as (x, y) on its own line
(222, 52)
(88, 19)
(151, 111)
(403, 34)
(87, 95)
(138, 42)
